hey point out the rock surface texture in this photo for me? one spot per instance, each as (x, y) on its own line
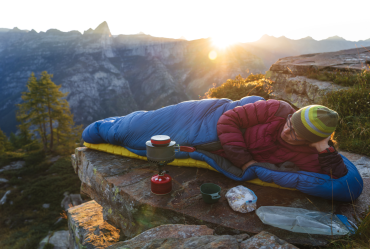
(179, 236)
(13, 166)
(289, 73)
(87, 228)
(58, 239)
(266, 240)
(122, 186)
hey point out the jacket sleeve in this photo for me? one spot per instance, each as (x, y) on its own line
(332, 164)
(242, 117)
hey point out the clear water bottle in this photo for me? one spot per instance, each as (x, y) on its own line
(300, 220)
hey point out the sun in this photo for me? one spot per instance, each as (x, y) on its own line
(223, 41)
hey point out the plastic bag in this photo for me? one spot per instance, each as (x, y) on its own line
(300, 220)
(241, 199)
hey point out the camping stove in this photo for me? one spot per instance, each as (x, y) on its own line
(160, 150)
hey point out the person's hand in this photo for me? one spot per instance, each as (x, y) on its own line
(321, 145)
(245, 166)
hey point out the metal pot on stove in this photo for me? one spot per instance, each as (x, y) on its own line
(160, 150)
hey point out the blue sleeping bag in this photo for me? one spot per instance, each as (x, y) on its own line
(193, 123)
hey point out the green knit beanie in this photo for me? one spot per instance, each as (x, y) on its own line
(314, 122)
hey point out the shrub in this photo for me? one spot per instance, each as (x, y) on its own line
(48, 246)
(341, 77)
(35, 157)
(241, 87)
(353, 107)
(9, 157)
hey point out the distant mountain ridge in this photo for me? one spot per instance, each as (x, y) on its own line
(270, 48)
(113, 76)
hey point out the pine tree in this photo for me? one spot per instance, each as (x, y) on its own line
(3, 142)
(45, 111)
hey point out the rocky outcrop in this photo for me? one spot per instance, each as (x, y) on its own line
(291, 84)
(266, 240)
(58, 239)
(112, 76)
(87, 229)
(168, 236)
(13, 166)
(122, 186)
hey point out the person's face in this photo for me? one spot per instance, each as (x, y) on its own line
(289, 135)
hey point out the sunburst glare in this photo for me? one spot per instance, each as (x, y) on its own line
(212, 55)
(223, 41)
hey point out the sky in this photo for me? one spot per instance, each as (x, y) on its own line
(239, 21)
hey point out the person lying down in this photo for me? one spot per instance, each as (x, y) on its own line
(272, 131)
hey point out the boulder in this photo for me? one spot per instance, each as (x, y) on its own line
(363, 166)
(87, 228)
(265, 240)
(4, 198)
(71, 200)
(290, 83)
(46, 205)
(13, 166)
(122, 187)
(54, 159)
(76, 199)
(2, 180)
(58, 239)
(205, 241)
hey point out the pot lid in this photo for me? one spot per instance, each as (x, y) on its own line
(160, 139)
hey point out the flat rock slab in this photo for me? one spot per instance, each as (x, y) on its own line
(353, 59)
(205, 241)
(87, 228)
(266, 240)
(175, 231)
(122, 186)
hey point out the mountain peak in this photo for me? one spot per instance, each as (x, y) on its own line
(102, 29)
(307, 38)
(336, 38)
(17, 30)
(266, 38)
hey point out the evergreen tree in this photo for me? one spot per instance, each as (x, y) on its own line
(23, 139)
(45, 111)
(3, 142)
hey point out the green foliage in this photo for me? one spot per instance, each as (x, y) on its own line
(3, 140)
(25, 223)
(344, 77)
(23, 140)
(359, 240)
(5, 145)
(35, 157)
(353, 107)
(9, 156)
(45, 111)
(48, 246)
(242, 87)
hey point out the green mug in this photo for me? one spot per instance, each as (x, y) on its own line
(210, 192)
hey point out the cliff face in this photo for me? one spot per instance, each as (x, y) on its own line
(110, 76)
(289, 74)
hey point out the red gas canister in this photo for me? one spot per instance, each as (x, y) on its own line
(161, 184)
